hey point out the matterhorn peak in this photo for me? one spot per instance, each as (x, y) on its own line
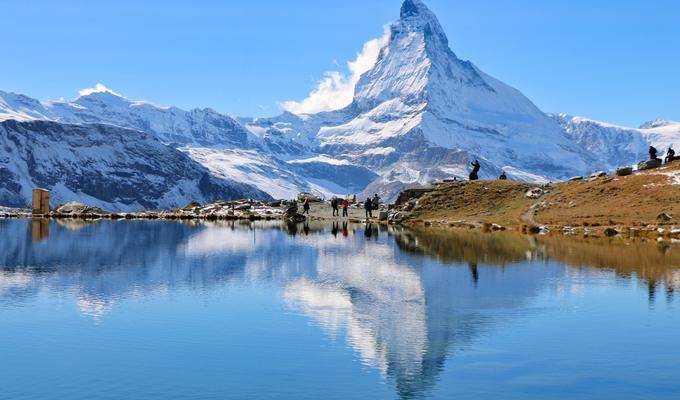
(415, 16)
(412, 8)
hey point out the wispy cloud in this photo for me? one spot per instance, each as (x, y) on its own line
(336, 90)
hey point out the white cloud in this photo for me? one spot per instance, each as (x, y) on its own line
(98, 88)
(336, 90)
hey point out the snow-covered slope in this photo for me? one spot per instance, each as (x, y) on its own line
(217, 141)
(204, 127)
(618, 145)
(114, 168)
(422, 114)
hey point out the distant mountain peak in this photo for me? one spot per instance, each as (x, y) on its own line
(657, 123)
(98, 89)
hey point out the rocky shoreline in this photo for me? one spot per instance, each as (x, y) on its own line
(645, 205)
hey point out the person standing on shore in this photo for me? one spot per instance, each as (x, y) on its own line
(305, 207)
(376, 202)
(345, 208)
(334, 205)
(368, 206)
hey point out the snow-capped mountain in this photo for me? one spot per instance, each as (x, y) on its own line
(270, 161)
(618, 145)
(203, 127)
(102, 165)
(421, 113)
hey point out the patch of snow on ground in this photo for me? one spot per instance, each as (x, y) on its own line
(524, 176)
(673, 175)
(320, 158)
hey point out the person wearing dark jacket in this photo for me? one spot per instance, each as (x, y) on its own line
(305, 207)
(670, 155)
(474, 175)
(334, 205)
(376, 202)
(652, 152)
(503, 177)
(368, 206)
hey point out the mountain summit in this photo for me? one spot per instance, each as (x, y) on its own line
(422, 114)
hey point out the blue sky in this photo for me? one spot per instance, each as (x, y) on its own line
(617, 61)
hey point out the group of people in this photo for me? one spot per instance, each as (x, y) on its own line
(670, 154)
(653, 155)
(337, 203)
(370, 205)
(474, 174)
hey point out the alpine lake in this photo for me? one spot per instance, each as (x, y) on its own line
(266, 310)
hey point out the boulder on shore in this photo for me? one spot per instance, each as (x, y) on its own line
(77, 208)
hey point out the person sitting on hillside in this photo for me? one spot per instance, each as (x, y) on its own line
(670, 155)
(474, 175)
(503, 177)
(652, 153)
(368, 206)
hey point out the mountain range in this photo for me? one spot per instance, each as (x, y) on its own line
(419, 114)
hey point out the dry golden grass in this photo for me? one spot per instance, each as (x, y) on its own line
(609, 201)
(613, 201)
(500, 202)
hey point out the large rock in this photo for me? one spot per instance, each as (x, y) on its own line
(77, 208)
(624, 171)
(649, 164)
(535, 193)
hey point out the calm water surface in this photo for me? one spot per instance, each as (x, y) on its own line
(159, 310)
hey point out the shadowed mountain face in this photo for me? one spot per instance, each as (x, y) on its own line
(105, 166)
(404, 302)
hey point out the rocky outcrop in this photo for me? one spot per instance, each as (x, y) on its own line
(649, 164)
(77, 208)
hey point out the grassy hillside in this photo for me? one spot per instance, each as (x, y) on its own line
(634, 200)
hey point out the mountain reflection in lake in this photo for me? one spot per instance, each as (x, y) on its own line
(134, 309)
